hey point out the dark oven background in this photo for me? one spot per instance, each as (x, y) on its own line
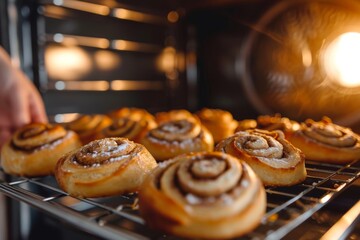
(94, 56)
(248, 57)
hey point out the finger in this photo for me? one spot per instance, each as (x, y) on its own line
(19, 107)
(37, 109)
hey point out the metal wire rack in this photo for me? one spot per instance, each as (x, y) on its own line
(118, 217)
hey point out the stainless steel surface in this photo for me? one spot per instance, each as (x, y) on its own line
(118, 217)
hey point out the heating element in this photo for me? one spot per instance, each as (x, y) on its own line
(288, 208)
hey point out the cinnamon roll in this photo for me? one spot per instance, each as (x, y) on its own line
(135, 114)
(203, 195)
(177, 137)
(128, 128)
(104, 167)
(173, 115)
(89, 126)
(275, 160)
(326, 141)
(34, 149)
(270, 123)
(220, 123)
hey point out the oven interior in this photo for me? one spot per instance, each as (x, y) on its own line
(96, 56)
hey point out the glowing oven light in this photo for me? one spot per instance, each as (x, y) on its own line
(341, 59)
(67, 63)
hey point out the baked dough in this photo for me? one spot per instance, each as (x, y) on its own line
(135, 114)
(173, 115)
(275, 160)
(326, 141)
(88, 126)
(177, 137)
(104, 167)
(219, 122)
(127, 127)
(270, 123)
(34, 149)
(203, 195)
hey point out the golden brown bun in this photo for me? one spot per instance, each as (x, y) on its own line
(173, 115)
(203, 195)
(34, 149)
(220, 123)
(327, 142)
(177, 137)
(89, 126)
(104, 167)
(270, 123)
(134, 114)
(128, 128)
(275, 160)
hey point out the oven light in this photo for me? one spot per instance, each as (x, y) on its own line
(67, 63)
(341, 60)
(106, 60)
(173, 16)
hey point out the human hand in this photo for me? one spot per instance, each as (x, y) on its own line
(20, 102)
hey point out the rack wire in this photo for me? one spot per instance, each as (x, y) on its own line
(118, 217)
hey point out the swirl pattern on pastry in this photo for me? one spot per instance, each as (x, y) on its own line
(275, 160)
(219, 122)
(207, 195)
(128, 128)
(327, 142)
(104, 167)
(89, 126)
(177, 137)
(34, 149)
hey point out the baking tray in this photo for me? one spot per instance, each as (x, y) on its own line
(118, 217)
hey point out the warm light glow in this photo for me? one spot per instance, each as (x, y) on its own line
(136, 16)
(106, 60)
(100, 85)
(173, 16)
(167, 60)
(55, 12)
(66, 63)
(83, 6)
(125, 45)
(72, 40)
(342, 59)
(122, 85)
(170, 62)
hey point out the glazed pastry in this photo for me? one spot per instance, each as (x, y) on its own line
(177, 137)
(325, 141)
(203, 195)
(275, 160)
(128, 128)
(134, 114)
(220, 123)
(178, 114)
(270, 123)
(89, 126)
(34, 149)
(104, 167)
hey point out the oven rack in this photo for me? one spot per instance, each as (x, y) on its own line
(118, 217)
